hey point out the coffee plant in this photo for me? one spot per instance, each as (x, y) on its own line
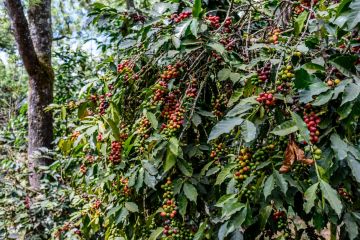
(219, 120)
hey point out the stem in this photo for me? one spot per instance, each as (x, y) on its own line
(333, 230)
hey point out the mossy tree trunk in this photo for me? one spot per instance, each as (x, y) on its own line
(34, 40)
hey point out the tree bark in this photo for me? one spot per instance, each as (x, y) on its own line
(34, 40)
(130, 4)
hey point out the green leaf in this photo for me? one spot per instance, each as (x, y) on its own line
(301, 125)
(180, 30)
(323, 98)
(269, 186)
(242, 107)
(190, 191)
(224, 74)
(205, 168)
(235, 96)
(123, 213)
(299, 22)
(183, 202)
(185, 167)
(312, 68)
(149, 167)
(174, 145)
(224, 126)
(265, 213)
(239, 218)
(285, 128)
(351, 92)
(345, 64)
(314, 89)
(280, 181)
(248, 131)
(224, 173)
(131, 206)
(310, 196)
(170, 161)
(156, 233)
(219, 48)
(223, 199)
(223, 231)
(354, 165)
(331, 196)
(302, 79)
(339, 146)
(194, 26)
(345, 110)
(235, 77)
(354, 14)
(231, 207)
(200, 232)
(152, 119)
(196, 10)
(149, 180)
(351, 226)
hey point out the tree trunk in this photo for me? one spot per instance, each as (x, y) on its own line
(130, 4)
(34, 40)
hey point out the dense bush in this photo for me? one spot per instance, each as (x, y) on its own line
(221, 121)
(216, 120)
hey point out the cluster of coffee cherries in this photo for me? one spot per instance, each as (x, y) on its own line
(243, 168)
(228, 43)
(65, 228)
(169, 208)
(144, 127)
(303, 5)
(301, 172)
(285, 79)
(280, 218)
(124, 182)
(171, 72)
(227, 25)
(191, 90)
(75, 135)
(180, 17)
(248, 192)
(263, 75)
(267, 99)
(218, 151)
(312, 121)
(344, 193)
(173, 113)
(104, 103)
(274, 36)
(115, 154)
(214, 21)
(124, 67)
(333, 83)
(137, 17)
(219, 104)
(96, 204)
(216, 56)
(83, 168)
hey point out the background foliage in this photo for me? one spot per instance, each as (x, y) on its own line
(203, 120)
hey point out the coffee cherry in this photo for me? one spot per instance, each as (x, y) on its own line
(266, 99)
(83, 169)
(312, 121)
(214, 21)
(178, 18)
(274, 36)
